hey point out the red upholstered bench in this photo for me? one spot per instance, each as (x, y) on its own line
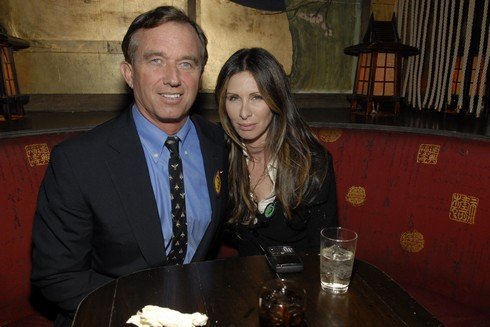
(23, 161)
(421, 207)
(419, 203)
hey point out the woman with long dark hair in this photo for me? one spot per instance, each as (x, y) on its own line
(282, 183)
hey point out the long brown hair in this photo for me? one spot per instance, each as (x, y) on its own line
(300, 158)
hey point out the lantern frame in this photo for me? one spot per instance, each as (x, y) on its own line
(11, 101)
(464, 84)
(378, 73)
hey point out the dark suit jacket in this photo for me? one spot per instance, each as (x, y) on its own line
(97, 218)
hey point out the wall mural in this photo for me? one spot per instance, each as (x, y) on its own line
(320, 31)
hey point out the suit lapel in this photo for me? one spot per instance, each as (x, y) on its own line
(212, 157)
(129, 173)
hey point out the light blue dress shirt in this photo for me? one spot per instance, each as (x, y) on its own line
(197, 203)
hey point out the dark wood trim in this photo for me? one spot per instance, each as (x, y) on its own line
(365, 15)
(116, 102)
(408, 121)
(192, 9)
(321, 100)
(77, 102)
(303, 101)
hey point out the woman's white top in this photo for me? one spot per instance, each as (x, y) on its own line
(272, 173)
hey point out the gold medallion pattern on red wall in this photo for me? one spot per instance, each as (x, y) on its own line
(463, 208)
(37, 154)
(428, 154)
(330, 135)
(412, 241)
(356, 195)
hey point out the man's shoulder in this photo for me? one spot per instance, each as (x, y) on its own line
(200, 120)
(207, 127)
(96, 136)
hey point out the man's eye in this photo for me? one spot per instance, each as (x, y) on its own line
(186, 65)
(156, 60)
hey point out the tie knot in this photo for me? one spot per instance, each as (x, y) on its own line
(172, 143)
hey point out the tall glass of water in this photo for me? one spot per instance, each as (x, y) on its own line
(337, 252)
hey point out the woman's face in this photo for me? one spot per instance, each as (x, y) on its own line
(247, 110)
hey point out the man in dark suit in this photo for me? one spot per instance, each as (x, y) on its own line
(105, 207)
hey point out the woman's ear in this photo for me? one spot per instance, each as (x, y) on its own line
(127, 72)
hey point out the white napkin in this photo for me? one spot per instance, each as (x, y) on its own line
(155, 316)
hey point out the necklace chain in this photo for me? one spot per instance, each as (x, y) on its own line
(261, 178)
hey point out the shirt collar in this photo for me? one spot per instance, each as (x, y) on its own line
(154, 138)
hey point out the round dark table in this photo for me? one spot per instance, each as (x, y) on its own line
(227, 292)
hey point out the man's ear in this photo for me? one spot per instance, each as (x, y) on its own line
(127, 72)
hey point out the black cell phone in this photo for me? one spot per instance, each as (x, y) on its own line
(283, 259)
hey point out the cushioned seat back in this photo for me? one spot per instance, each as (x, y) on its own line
(23, 161)
(420, 204)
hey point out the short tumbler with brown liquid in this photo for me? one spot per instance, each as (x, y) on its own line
(282, 303)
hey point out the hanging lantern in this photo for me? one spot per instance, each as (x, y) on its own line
(477, 78)
(378, 74)
(457, 78)
(467, 83)
(11, 101)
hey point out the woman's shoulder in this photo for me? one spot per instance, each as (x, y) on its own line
(323, 173)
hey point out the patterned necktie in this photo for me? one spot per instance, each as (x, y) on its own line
(177, 196)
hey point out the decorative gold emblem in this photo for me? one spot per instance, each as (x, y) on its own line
(37, 154)
(217, 183)
(329, 135)
(463, 208)
(428, 153)
(356, 195)
(412, 241)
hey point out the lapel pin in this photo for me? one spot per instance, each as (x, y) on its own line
(217, 183)
(269, 210)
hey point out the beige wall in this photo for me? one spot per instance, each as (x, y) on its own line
(230, 27)
(75, 45)
(383, 9)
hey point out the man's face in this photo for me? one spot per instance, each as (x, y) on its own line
(165, 73)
